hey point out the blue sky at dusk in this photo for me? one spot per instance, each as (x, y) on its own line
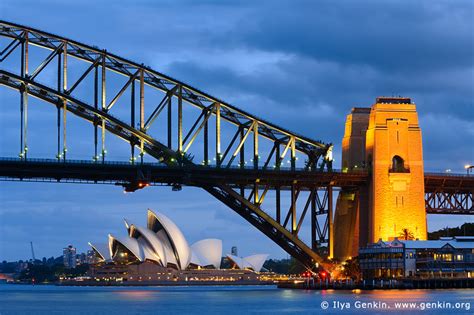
(299, 64)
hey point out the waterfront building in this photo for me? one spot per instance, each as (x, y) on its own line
(162, 243)
(150, 273)
(446, 257)
(69, 257)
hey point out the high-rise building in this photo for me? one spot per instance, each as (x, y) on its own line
(69, 257)
(91, 257)
(81, 259)
(233, 251)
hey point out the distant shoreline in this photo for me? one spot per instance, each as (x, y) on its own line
(161, 283)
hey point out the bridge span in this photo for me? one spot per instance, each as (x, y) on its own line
(444, 193)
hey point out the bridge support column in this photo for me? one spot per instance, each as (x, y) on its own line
(395, 159)
(351, 215)
(330, 223)
(385, 141)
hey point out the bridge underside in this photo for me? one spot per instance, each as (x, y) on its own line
(443, 194)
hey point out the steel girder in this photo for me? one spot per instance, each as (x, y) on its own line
(449, 202)
(315, 151)
(449, 193)
(99, 114)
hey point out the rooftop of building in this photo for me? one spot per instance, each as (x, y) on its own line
(393, 100)
(458, 242)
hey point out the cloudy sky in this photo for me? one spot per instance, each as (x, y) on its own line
(299, 64)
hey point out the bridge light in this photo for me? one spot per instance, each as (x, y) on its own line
(468, 168)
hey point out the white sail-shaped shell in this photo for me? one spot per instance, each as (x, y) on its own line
(151, 240)
(164, 227)
(207, 252)
(102, 250)
(256, 261)
(129, 243)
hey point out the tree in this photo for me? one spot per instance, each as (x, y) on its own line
(351, 269)
(406, 235)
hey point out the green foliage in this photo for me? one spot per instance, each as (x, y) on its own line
(467, 229)
(406, 235)
(8, 267)
(44, 273)
(284, 266)
(352, 269)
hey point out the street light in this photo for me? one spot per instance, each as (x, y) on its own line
(468, 168)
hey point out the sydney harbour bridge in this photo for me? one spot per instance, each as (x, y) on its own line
(177, 135)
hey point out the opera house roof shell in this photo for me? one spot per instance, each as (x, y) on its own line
(254, 262)
(162, 242)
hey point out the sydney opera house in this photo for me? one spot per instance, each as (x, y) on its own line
(160, 252)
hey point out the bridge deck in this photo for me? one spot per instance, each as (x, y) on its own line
(118, 172)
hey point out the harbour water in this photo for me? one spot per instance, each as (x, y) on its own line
(49, 299)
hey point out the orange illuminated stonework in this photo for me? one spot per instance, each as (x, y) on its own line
(394, 156)
(386, 141)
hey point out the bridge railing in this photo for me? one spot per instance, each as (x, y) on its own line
(445, 174)
(275, 169)
(158, 165)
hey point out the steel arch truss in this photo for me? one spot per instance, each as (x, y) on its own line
(449, 202)
(283, 228)
(227, 152)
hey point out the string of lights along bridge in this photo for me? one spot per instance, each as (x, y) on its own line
(176, 135)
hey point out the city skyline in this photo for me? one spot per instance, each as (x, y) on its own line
(246, 58)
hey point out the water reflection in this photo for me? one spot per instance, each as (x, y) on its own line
(137, 294)
(213, 300)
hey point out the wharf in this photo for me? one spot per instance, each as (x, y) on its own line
(441, 283)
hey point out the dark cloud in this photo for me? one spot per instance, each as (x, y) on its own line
(385, 34)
